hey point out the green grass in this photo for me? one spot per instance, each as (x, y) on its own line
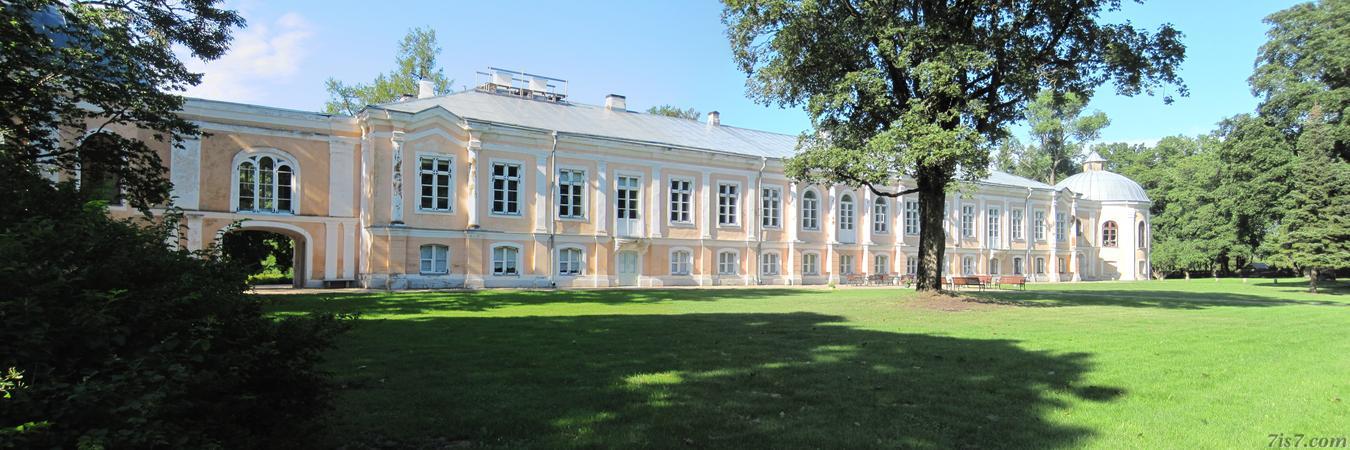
(1168, 364)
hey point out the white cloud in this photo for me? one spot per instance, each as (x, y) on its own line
(260, 56)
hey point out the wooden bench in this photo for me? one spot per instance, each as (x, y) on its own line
(855, 279)
(877, 279)
(1016, 280)
(957, 282)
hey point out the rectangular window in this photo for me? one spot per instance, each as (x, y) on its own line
(846, 264)
(911, 217)
(1017, 266)
(771, 205)
(881, 217)
(768, 264)
(967, 221)
(911, 264)
(967, 266)
(435, 259)
(571, 189)
(1060, 223)
(810, 211)
(569, 261)
(992, 226)
(1016, 224)
(504, 261)
(680, 262)
(881, 264)
(1040, 266)
(727, 263)
(681, 193)
(810, 264)
(433, 183)
(506, 189)
(727, 200)
(1039, 218)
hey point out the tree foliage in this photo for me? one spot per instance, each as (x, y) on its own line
(1305, 66)
(675, 111)
(416, 60)
(1315, 230)
(1061, 131)
(919, 88)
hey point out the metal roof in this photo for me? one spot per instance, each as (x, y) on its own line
(1104, 186)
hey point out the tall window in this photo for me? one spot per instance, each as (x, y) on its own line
(911, 264)
(846, 264)
(768, 264)
(881, 216)
(728, 263)
(1016, 224)
(810, 264)
(433, 182)
(627, 197)
(1040, 266)
(435, 259)
(967, 221)
(846, 213)
(810, 211)
(881, 264)
(1039, 218)
(1142, 237)
(727, 200)
(992, 226)
(993, 266)
(505, 261)
(1109, 234)
(968, 265)
(681, 191)
(1061, 265)
(265, 184)
(506, 189)
(571, 188)
(97, 181)
(1060, 224)
(911, 217)
(771, 205)
(680, 262)
(570, 261)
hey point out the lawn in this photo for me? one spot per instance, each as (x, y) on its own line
(1185, 363)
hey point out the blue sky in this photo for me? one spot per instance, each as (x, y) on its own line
(654, 53)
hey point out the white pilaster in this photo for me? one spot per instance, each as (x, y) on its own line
(330, 250)
(1052, 237)
(654, 216)
(542, 180)
(348, 252)
(396, 168)
(194, 232)
(602, 199)
(341, 166)
(475, 147)
(185, 169)
(706, 207)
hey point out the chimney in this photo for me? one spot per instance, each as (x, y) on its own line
(714, 119)
(616, 102)
(426, 89)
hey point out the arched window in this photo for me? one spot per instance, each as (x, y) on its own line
(1109, 233)
(881, 216)
(846, 212)
(435, 259)
(266, 183)
(810, 211)
(571, 261)
(1142, 235)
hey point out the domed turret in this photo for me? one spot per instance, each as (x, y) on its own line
(1096, 183)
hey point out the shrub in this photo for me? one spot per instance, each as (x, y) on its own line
(118, 341)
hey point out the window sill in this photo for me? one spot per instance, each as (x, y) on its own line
(573, 219)
(681, 225)
(729, 226)
(506, 216)
(436, 212)
(433, 274)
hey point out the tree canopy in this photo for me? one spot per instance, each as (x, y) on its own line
(675, 111)
(416, 60)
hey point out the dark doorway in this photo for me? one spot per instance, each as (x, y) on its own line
(269, 257)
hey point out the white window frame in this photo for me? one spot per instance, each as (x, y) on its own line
(811, 213)
(734, 265)
(881, 216)
(683, 266)
(911, 217)
(584, 198)
(1019, 266)
(432, 260)
(579, 262)
(516, 263)
(672, 213)
(847, 222)
(770, 264)
(1040, 265)
(967, 221)
(810, 263)
(640, 190)
(846, 266)
(881, 264)
(253, 154)
(1114, 228)
(728, 206)
(993, 226)
(911, 264)
(994, 268)
(492, 189)
(1038, 216)
(1017, 220)
(1061, 227)
(771, 207)
(968, 265)
(435, 185)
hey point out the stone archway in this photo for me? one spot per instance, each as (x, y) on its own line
(303, 247)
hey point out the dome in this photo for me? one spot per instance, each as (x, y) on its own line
(1104, 186)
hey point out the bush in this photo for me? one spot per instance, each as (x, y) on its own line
(117, 341)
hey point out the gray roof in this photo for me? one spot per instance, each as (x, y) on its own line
(1007, 179)
(598, 121)
(1102, 185)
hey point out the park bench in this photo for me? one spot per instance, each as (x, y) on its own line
(855, 279)
(1016, 280)
(957, 282)
(877, 279)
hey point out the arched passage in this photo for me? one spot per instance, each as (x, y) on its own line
(302, 250)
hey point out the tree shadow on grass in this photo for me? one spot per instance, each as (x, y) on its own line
(1338, 287)
(417, 302)
(700, 380)
(1138, 299)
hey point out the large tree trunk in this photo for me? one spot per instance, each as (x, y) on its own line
(932, 237)
(1312, 280)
